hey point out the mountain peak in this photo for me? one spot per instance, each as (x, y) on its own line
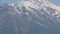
(36, 4)
(29, 17)
(32, 3)
(36, 1)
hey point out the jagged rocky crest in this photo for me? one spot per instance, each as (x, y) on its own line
(30, 17)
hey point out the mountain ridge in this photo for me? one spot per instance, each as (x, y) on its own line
(27, 17)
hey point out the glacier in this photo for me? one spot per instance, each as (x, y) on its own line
(30, 17)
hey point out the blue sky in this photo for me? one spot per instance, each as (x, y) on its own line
(7, 1)
(57, 2)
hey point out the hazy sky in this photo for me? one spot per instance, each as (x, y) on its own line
(57, 2)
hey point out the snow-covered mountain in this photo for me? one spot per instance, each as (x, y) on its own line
(30, 17)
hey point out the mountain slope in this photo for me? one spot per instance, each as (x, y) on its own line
(30, 17)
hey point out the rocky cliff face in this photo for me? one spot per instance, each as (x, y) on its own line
(30, 17)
